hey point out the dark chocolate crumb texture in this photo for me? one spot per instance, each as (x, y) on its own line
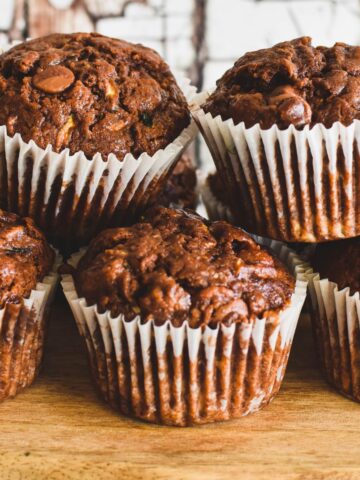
(291, 83)
(25, 257)
(340, 263)
(175, 265)
(90, 93)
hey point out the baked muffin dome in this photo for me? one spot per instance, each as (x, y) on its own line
(291, 83)
(92, 93)
(177, 266)
(25, 257)
(340, 263)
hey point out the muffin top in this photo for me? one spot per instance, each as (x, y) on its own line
(25, 257)
(180, 188)
(88, 92)
(291, 83)
(177, 266)
(340, 263)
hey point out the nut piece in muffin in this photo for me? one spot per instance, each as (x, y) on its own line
(340, 263)
(180, 188)
(25, 258)
(176, 266)
(291, 83)
(87, 92)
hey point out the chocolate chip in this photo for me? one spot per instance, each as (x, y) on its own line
(53, 79)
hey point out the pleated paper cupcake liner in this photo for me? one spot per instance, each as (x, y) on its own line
(215, 208)
(22, 332)
(70, 197)
(181, 375)
(336, 323)
(290, 185)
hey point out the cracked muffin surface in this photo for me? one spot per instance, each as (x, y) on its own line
(90, 93)
(25, 257)
(291, 83)
(177, 266)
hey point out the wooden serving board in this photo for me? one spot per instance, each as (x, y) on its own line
(59, 429)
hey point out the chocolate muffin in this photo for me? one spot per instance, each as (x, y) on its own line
(291, 83)
(25, 257)
(340, 263)
(90, 128)
(280, 127)
(180, 188)
(25, 260)
(186, 321)
(90, 93)
(334, 295)
(187, 269)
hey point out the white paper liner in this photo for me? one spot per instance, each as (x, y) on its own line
(336, 324)
(22, 331)
(291, 185)
(71, 197)
(216, 210)
(183, 376)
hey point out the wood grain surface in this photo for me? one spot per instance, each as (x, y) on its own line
(59, 429)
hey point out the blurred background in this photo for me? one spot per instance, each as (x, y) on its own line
(198, 38)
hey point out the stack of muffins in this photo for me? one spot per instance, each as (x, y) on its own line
(283, 129)
(91, 129)
(186, 320)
